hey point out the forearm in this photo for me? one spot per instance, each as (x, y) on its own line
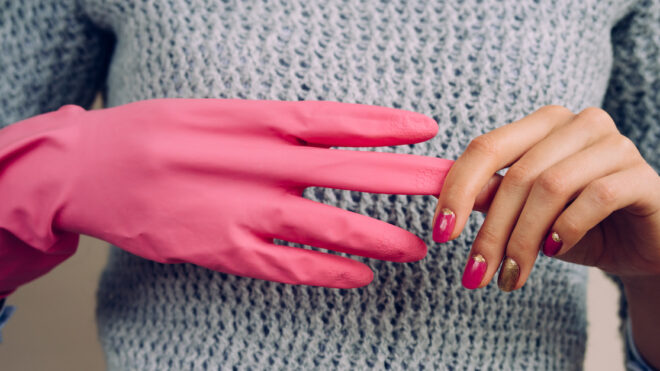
(643, 296)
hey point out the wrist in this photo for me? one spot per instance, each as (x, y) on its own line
(643, 297)
(641, 285)
(38, 160)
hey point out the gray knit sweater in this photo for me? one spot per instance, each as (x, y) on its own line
(473, 65)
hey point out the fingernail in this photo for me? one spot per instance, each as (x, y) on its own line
(474, 272)
(508, 275)
(552, 244)
(444, 225)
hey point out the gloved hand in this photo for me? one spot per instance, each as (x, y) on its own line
(210, 182)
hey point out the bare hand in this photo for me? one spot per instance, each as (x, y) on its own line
(575, 188)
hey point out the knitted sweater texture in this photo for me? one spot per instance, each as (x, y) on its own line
(472, 65)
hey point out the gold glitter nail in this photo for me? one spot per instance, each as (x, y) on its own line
(479, 258)
(555, 237)
(444, 211)
(509, 273)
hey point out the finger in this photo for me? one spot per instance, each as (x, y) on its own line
(554, 188)
(484, 156)
(364, 171)
(304, 221)
(578, 132)
(627, 189)
(301, 166)
(268, 261)
(487, 195)
(318, 123)
(355, 125)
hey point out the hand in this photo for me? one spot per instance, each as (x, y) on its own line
(213, 182)
(575, 188)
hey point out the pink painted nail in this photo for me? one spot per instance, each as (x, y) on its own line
(474, 272)
(552, 244)
(444, 225)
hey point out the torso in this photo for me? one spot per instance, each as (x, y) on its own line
(471, 65)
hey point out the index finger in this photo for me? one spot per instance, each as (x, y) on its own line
(355, 125)
(484, 156)
(318, 123)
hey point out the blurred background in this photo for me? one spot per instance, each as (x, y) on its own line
(54, 326)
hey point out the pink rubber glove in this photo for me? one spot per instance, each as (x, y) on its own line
(210, 182)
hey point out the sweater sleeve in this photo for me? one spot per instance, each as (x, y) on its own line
(51, 56)
(633, 95)
(5, 313)
(633, 101)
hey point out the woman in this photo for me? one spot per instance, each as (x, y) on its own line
(473, 66)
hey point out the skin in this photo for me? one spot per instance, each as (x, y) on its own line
(576, 175)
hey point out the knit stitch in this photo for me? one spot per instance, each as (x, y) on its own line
(472, 65)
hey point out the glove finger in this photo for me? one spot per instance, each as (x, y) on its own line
(325, 123)
(317, 123)
(286, 264)
(364, 171)
(304, 221)
(356, 125)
